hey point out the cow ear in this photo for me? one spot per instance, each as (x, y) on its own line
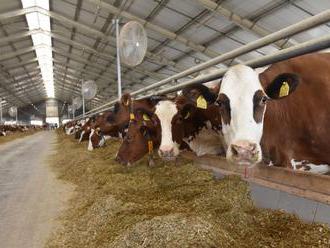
(282, 86)
(126, 99)
(157, 98)
(187, 111)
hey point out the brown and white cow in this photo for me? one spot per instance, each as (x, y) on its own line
(142, 137)
(280, 115)
(192, 119)
(118, 123)
(92, 123)
(189, 120)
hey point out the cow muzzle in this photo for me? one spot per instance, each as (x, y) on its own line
(122, 161)
(167, 153)
(244, 152)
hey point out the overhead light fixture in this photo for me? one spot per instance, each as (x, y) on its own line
(42, 42)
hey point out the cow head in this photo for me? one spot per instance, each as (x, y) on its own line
(110, 124)
(178, 117)
(242, 103)
(142, 137)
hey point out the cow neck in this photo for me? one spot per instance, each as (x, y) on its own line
(150, 146)
(204, 116)
(101, 136)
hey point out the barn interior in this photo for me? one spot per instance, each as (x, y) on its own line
(66, 63)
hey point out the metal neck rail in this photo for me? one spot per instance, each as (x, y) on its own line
(300, 49)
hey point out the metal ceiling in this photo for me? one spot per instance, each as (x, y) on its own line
(180, 35)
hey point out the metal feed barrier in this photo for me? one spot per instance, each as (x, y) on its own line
(300, 49)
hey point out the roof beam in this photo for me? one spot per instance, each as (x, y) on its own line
(72, 80)
(85, 73)
(160, 30)
(17, 52)
(243, 22)
(95, 32)
(20, 64)
(99, 66)
(103, 55)
(73, 90)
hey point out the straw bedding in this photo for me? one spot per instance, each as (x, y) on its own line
(169, 205)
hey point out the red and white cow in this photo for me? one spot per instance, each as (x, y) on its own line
(280, 115)
(192, 118)
(118, 123)
(189, 121)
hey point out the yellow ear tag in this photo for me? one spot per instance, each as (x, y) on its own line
(285, 88)
(131, 116)
(201, 102)
(187, 116)
(150, 146)
(146, 117)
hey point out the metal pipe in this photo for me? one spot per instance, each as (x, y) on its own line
(165, 32)
(83, 97)
(118, 59)
(305, 24)
(0, 110)
(303, 48)
(242, 22)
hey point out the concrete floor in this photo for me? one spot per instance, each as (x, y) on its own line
(30, 195)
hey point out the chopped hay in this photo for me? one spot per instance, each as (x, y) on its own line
(15, 135)
(168, 205)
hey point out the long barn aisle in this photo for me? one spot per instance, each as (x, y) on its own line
(30, 195)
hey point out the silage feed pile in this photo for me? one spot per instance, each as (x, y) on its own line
(170, 205)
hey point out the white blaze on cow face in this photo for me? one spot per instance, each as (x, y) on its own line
(242, 133)
(81, 136)
(165, 111)
(90, 145)
(69, 131)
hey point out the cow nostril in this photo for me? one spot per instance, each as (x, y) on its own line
(234, 150)
(253, 147)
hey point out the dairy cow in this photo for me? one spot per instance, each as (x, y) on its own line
(117, 124)
(191, 121)
(280, 115)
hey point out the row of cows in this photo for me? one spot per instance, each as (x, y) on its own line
(10, 129)
(279, 115)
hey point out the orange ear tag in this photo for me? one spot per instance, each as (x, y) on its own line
(150, 146)
(131, 116)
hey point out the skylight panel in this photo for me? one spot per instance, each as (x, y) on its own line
(42, 42)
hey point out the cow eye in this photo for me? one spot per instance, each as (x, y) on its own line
(263, 100)
(128, 138)
(219, 103)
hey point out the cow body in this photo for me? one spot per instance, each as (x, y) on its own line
(300, 121)
(284, 108)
